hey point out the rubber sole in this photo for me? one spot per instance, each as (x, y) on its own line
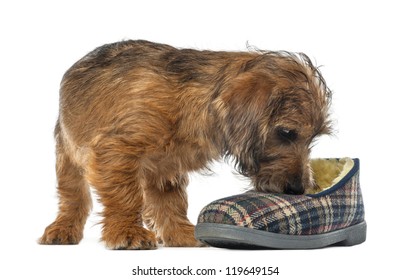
(235, 237)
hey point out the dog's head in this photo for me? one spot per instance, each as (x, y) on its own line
(271, 113)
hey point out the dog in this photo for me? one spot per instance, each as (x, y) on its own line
(136, 117)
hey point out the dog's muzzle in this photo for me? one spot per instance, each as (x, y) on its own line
(294, 187)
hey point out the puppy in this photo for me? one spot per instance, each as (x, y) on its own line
(135, 117)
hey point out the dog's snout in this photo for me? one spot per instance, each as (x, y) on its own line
(294, 187)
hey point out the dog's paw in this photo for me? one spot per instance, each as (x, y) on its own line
(181, 236)
(134, 238)
(59, 234)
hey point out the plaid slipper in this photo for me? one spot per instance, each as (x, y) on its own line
(332, 216)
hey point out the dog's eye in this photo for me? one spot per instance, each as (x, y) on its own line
(287, 134)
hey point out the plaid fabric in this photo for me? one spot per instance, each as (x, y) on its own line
(339, 207)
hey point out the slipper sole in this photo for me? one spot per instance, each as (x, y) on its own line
(235, 237)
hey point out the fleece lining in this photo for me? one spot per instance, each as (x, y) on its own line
(328, 172)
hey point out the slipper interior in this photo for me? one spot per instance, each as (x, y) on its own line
(328, 173)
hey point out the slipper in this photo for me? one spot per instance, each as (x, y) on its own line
(253, 220)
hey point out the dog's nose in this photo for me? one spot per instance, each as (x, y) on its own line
(294, 187)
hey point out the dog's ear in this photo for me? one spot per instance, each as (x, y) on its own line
(243, 108)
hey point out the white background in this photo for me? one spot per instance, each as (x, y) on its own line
(363, 48)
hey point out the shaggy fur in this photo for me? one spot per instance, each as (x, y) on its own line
(136, 117)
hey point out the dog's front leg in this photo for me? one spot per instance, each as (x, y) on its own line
(114, 172)
(166, 211)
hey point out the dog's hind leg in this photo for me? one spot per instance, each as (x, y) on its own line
(74, 199)
(166, 211)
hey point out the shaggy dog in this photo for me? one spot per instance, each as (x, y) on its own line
(136, 117)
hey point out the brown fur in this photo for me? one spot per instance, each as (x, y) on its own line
(136, 117)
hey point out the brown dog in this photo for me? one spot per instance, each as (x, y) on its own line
(136, 117)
